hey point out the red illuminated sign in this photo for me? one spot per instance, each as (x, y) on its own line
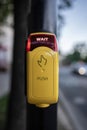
(41, 39)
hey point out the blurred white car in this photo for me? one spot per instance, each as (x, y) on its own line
(79, 68)
(3, 58)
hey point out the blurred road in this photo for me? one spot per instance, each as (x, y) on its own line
(74, 88)
(4, 83)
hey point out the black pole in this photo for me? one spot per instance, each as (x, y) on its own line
(16, 108)
(43, 17)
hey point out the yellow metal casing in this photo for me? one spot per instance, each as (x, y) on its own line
(42, 76)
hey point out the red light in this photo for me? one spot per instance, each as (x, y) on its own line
(28, 45)
(55, 43)
(41, 39)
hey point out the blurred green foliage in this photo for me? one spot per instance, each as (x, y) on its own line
(62, 6)
(6, 7)
(78, 53)
(3, 111)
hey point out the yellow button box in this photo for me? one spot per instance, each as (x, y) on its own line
(42, 76)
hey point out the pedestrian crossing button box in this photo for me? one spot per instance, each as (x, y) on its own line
(42, 69)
